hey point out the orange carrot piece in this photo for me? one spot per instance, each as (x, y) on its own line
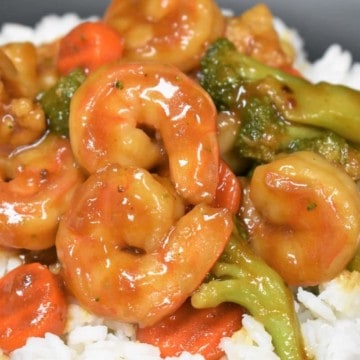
(291, 70)
(32, 303)
(228, 192)
(88, 46)
(197, 331)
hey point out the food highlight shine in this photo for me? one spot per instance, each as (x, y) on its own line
(173, 181)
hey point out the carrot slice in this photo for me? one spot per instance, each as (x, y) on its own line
(88, 46)
(292, 71)
(228, 192)
(197, 331)
(32, 303)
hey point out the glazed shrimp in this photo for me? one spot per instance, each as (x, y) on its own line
(22, 122)
(143, 258)
(303, 217)
(254, 34)
(26, 69)
(175, 32)
(115, 110)
(36, 187)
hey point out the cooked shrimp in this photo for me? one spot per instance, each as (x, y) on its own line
(36, 187)
(172, 31)
(303, 217)
(19, 69)
(142, 258)
(22, 122)
(254, 34)
(26, 69)
(114, 112)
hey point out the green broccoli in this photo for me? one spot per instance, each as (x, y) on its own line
(56, 101)
(280, 112)
(240, 276)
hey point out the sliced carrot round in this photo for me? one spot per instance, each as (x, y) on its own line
(32, 302)
(88, 46)
(197, 331)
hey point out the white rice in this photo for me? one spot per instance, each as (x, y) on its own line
(47, 29)
(336, 66)
(330, 322)
(8, 261)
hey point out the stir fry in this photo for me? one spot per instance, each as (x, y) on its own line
(167, 164)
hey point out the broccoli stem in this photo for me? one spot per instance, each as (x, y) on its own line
(333, 107)
(243, 278)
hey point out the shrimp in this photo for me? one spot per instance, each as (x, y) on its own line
(302, 214)
(36, 187)
(254, 34)
(172, 31)
(119, 106)
(144, 256)
(26, 69)
(22, 122)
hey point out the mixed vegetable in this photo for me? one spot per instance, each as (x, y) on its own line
(281, 112)
(241, 277)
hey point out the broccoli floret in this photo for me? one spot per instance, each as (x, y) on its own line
(280, 112)
(56, 101)
(264, 133)
(267, 299)
(218, 75)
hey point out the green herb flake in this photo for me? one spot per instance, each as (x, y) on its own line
(119, 84)
(311, 206)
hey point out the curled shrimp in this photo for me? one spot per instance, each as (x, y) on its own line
(303, 217)
(254, 34)
(18, 65)
(174, 32)
(22, 122)
(142, 256)
(26, 69)
(36, 187)
(117, 109)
